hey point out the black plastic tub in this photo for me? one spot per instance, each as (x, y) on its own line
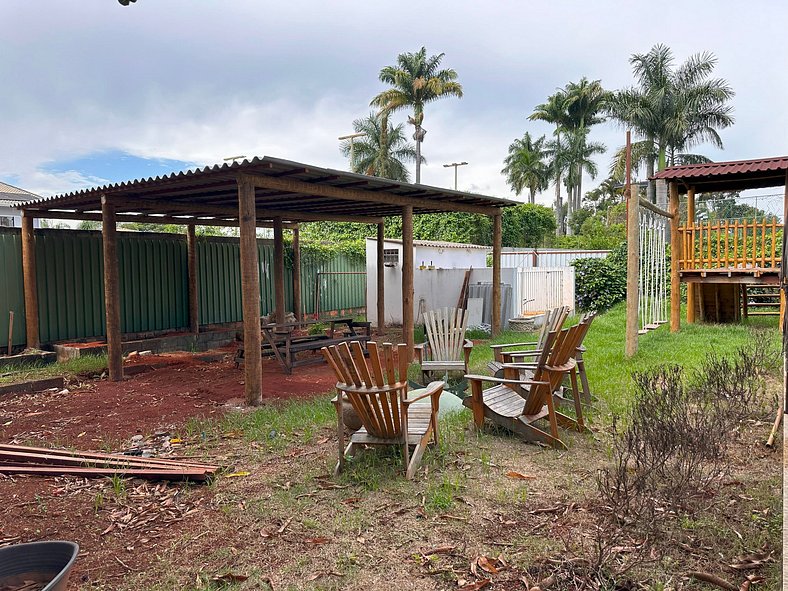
(48, 563)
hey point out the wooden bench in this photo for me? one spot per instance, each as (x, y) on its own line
(280, 341)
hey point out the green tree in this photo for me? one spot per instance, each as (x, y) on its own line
(416, 80)
(382, 151)
(672, 108)
(525, 166)
(554, 111)
(170, 228)
(527, 225)
(584, 101)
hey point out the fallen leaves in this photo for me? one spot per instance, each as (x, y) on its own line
(229, 578)
(488, 565)
(519, 476)
(237, 475)
(476, 586)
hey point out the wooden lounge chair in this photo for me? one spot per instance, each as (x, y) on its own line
(388, 416)
(520, 357)
(519, 404)
(553, 320)
(446, 348)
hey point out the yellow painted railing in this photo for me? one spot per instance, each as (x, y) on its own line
(731, 244)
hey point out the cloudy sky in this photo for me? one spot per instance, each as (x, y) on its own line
(96, 92)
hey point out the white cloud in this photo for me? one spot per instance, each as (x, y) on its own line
(200, 81)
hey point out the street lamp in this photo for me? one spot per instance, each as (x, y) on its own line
(351, 137)
(455, 165)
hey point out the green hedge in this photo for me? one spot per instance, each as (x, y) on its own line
(601, 283)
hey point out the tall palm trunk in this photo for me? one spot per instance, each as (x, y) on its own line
(418, 156)
(559, 207)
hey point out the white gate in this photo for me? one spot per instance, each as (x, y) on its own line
(542, 288)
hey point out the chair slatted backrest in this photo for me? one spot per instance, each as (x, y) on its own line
(562, 355)
(445, 329)
(538, 394)
(553, 321)
(374, 390)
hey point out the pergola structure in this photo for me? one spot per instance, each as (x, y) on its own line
(761, 268)
(262, 192)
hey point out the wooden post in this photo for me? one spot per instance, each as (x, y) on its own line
(297, 307)
(279, 271)
(675, 256)
(407, 278)
(691, 285)
(496, 275)
(633, 270)
(111, 290)
(30, 282)
(250, 294)
(191, 258)
(381, 300)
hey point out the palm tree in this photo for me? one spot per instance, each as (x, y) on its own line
(583, 101)
(579, 154)
(557, 152)
(525, 166)
(673, 109)
(415, 81)
(382, 151)
(554, 111)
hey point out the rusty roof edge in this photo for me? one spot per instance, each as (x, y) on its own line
(246, 165)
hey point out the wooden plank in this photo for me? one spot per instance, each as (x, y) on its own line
(193, 292)
(279, 271)
(496, 274)
(297, 303)
(111, 291)
(407, 278)
(147, 473)
(30, 283)
(93, 456)
(675, 247)
(380, 278)
(250, 293)
(633, 271)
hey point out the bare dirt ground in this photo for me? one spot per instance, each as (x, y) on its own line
(485, 511)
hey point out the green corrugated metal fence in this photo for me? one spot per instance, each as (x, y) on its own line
(153, 282)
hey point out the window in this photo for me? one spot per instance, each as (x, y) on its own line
(390, 257)
(6, 221)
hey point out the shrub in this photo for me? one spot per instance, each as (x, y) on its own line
(601, 283)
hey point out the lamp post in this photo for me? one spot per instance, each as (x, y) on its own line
(351, 137)
(455, 165)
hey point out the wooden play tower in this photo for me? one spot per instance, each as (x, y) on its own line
(731, 267)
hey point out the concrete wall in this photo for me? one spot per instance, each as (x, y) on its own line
(437, 288)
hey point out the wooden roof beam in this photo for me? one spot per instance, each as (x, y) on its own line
(294, 186)
(134, 205)
(151, 219)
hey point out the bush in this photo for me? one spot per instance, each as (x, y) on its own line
(601, 283)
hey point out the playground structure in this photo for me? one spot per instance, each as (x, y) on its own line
(731, 265)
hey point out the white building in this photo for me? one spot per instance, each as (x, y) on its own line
(10, 197)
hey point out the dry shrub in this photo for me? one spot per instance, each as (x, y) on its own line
(677, 431)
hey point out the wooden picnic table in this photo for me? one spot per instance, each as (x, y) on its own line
(285, 342)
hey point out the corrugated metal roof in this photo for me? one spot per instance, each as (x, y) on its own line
(11, 196)
(438, 244)
(201, 191)
(735, 175)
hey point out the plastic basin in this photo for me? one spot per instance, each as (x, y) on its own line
(48, 563)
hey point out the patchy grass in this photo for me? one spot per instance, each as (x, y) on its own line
(290, 525)
(84, 366)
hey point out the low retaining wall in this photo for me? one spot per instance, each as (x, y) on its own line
(203, 341)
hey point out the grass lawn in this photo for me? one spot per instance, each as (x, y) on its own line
(87, 365)
(289, 525)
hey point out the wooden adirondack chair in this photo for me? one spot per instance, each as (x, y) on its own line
(553, 320)
(446, 348)
(388, 416)
(518, 404)
(577, 372)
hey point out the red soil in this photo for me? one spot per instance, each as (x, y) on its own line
(98, 411)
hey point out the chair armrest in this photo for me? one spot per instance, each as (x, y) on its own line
(431, 389)
(531, 353)
(475, 378)
(420, 351)
(520, 365)
(494, 347)
(468, 344)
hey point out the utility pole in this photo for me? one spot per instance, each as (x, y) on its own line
(455, 165)
(351, 137)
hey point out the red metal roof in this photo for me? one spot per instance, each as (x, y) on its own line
(735, 175)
